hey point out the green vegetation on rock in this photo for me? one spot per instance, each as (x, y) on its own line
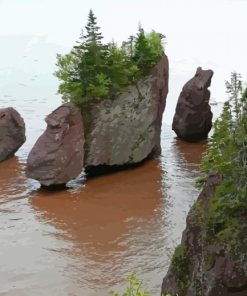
(93, 70)
(227, 156)
(135, 288)
(217, 223)
(180, 266)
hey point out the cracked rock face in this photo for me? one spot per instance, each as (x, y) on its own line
(57, 156)
(121, 131)
(193, 118)
(126, 130)
(12, 132)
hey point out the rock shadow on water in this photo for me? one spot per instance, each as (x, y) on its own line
(97, 171)
(54, 187)
(191, 152)
(99, 216)
(94, 172)
(108, 223)
(12, 180)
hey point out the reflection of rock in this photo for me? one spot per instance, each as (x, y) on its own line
(12, 180)
(204, 263)
(12, 132)
(99, 216)
(127, 129)
(192, 152)
(193, 118)
(57, 156)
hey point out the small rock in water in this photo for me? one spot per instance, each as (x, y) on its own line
(57, 156)
(12, 132)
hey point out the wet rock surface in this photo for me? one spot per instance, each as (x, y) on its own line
(57, 156)
(200, 268)
(12, 132)
(126, 130)
(193, 118)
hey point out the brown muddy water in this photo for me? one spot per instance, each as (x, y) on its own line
(87, 239)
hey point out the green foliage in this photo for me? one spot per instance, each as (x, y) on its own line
(180, 267)
(223, 219)
(93, 70)
(148, 50)
(227, 156)
(135, 288)
(93, 34)
(67, 73)
(119, 68)
(100, 88)
(230, 134)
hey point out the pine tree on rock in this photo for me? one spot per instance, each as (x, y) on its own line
(142, 53)
(91, 67)
(93, 33)
(94, 70)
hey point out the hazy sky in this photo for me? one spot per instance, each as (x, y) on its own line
(206, 29)
(207, 33)
(61, 20)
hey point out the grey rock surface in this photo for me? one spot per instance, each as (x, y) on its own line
(120, 131)
(126, 129)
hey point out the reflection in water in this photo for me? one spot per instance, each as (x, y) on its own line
(191, 152)
(87, 239)
(180, 162)
(12, 180)
(23, 257)
(100, 214)
(110, 222)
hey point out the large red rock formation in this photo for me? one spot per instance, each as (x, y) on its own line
(12, 132)
(57, 156)
(193, 118)
(126, 130)
(118, 132)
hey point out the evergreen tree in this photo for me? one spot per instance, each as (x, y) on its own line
(92, 55)
(142, 52)
(227, 156)
(93, 70)
(225, 216)
(234, 89)
(93, 34)
(131, 43)
(154, 40)
(148, 50)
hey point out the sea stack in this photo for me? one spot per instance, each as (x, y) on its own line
(193, 118)
(126, 130)
(12, 132)
(102, 134)
(57, 156)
